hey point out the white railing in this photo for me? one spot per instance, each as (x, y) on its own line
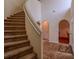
(33, 32)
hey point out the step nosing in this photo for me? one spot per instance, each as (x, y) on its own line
(13, 26)
(13, 36)
(14, 20)
(14, 31)
(18, 16)
(15, 23)
(15, 43)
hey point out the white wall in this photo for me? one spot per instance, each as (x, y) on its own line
(34, 8)
(54, 11)
(12, 6)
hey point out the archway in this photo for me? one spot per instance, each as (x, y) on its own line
(45, 30)
(64, 31)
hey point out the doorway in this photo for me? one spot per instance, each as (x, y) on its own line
(64, 31)
(45, 30)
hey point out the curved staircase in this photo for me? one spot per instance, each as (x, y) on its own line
(16, 43)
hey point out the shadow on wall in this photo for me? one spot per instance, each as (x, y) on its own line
(64, 31)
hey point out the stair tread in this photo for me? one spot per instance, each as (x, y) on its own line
(14, 31)
(14, 20)
(16, 51)
(29, 56)
(14, 43)
(14, 23)
(12, 36)
(19, 14)
(22, 12)
(14, 26)
(19, 22)
(16, 39)
(16, 17)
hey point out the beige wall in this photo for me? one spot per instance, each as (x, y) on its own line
(35, 39)
(12, 6)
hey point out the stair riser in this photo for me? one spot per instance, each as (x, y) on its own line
(35, 57)
(20, 12)
(9, 37)
(20, 54)
(16, 18)
(14, 33)
(26, 52)
(17, 15)
(12, 24)
(15, 39)
(14, 28)
(12, 47)
(15, 21)
(9, 20)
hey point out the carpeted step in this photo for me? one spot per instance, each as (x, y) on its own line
(29, 56)
(22, 12)
(14, 39)
(14, 36)
(19, 14)
(8, 46)
(17, 53)
(14, 27)
(12, 20)
(14, 32)
(15, 17)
